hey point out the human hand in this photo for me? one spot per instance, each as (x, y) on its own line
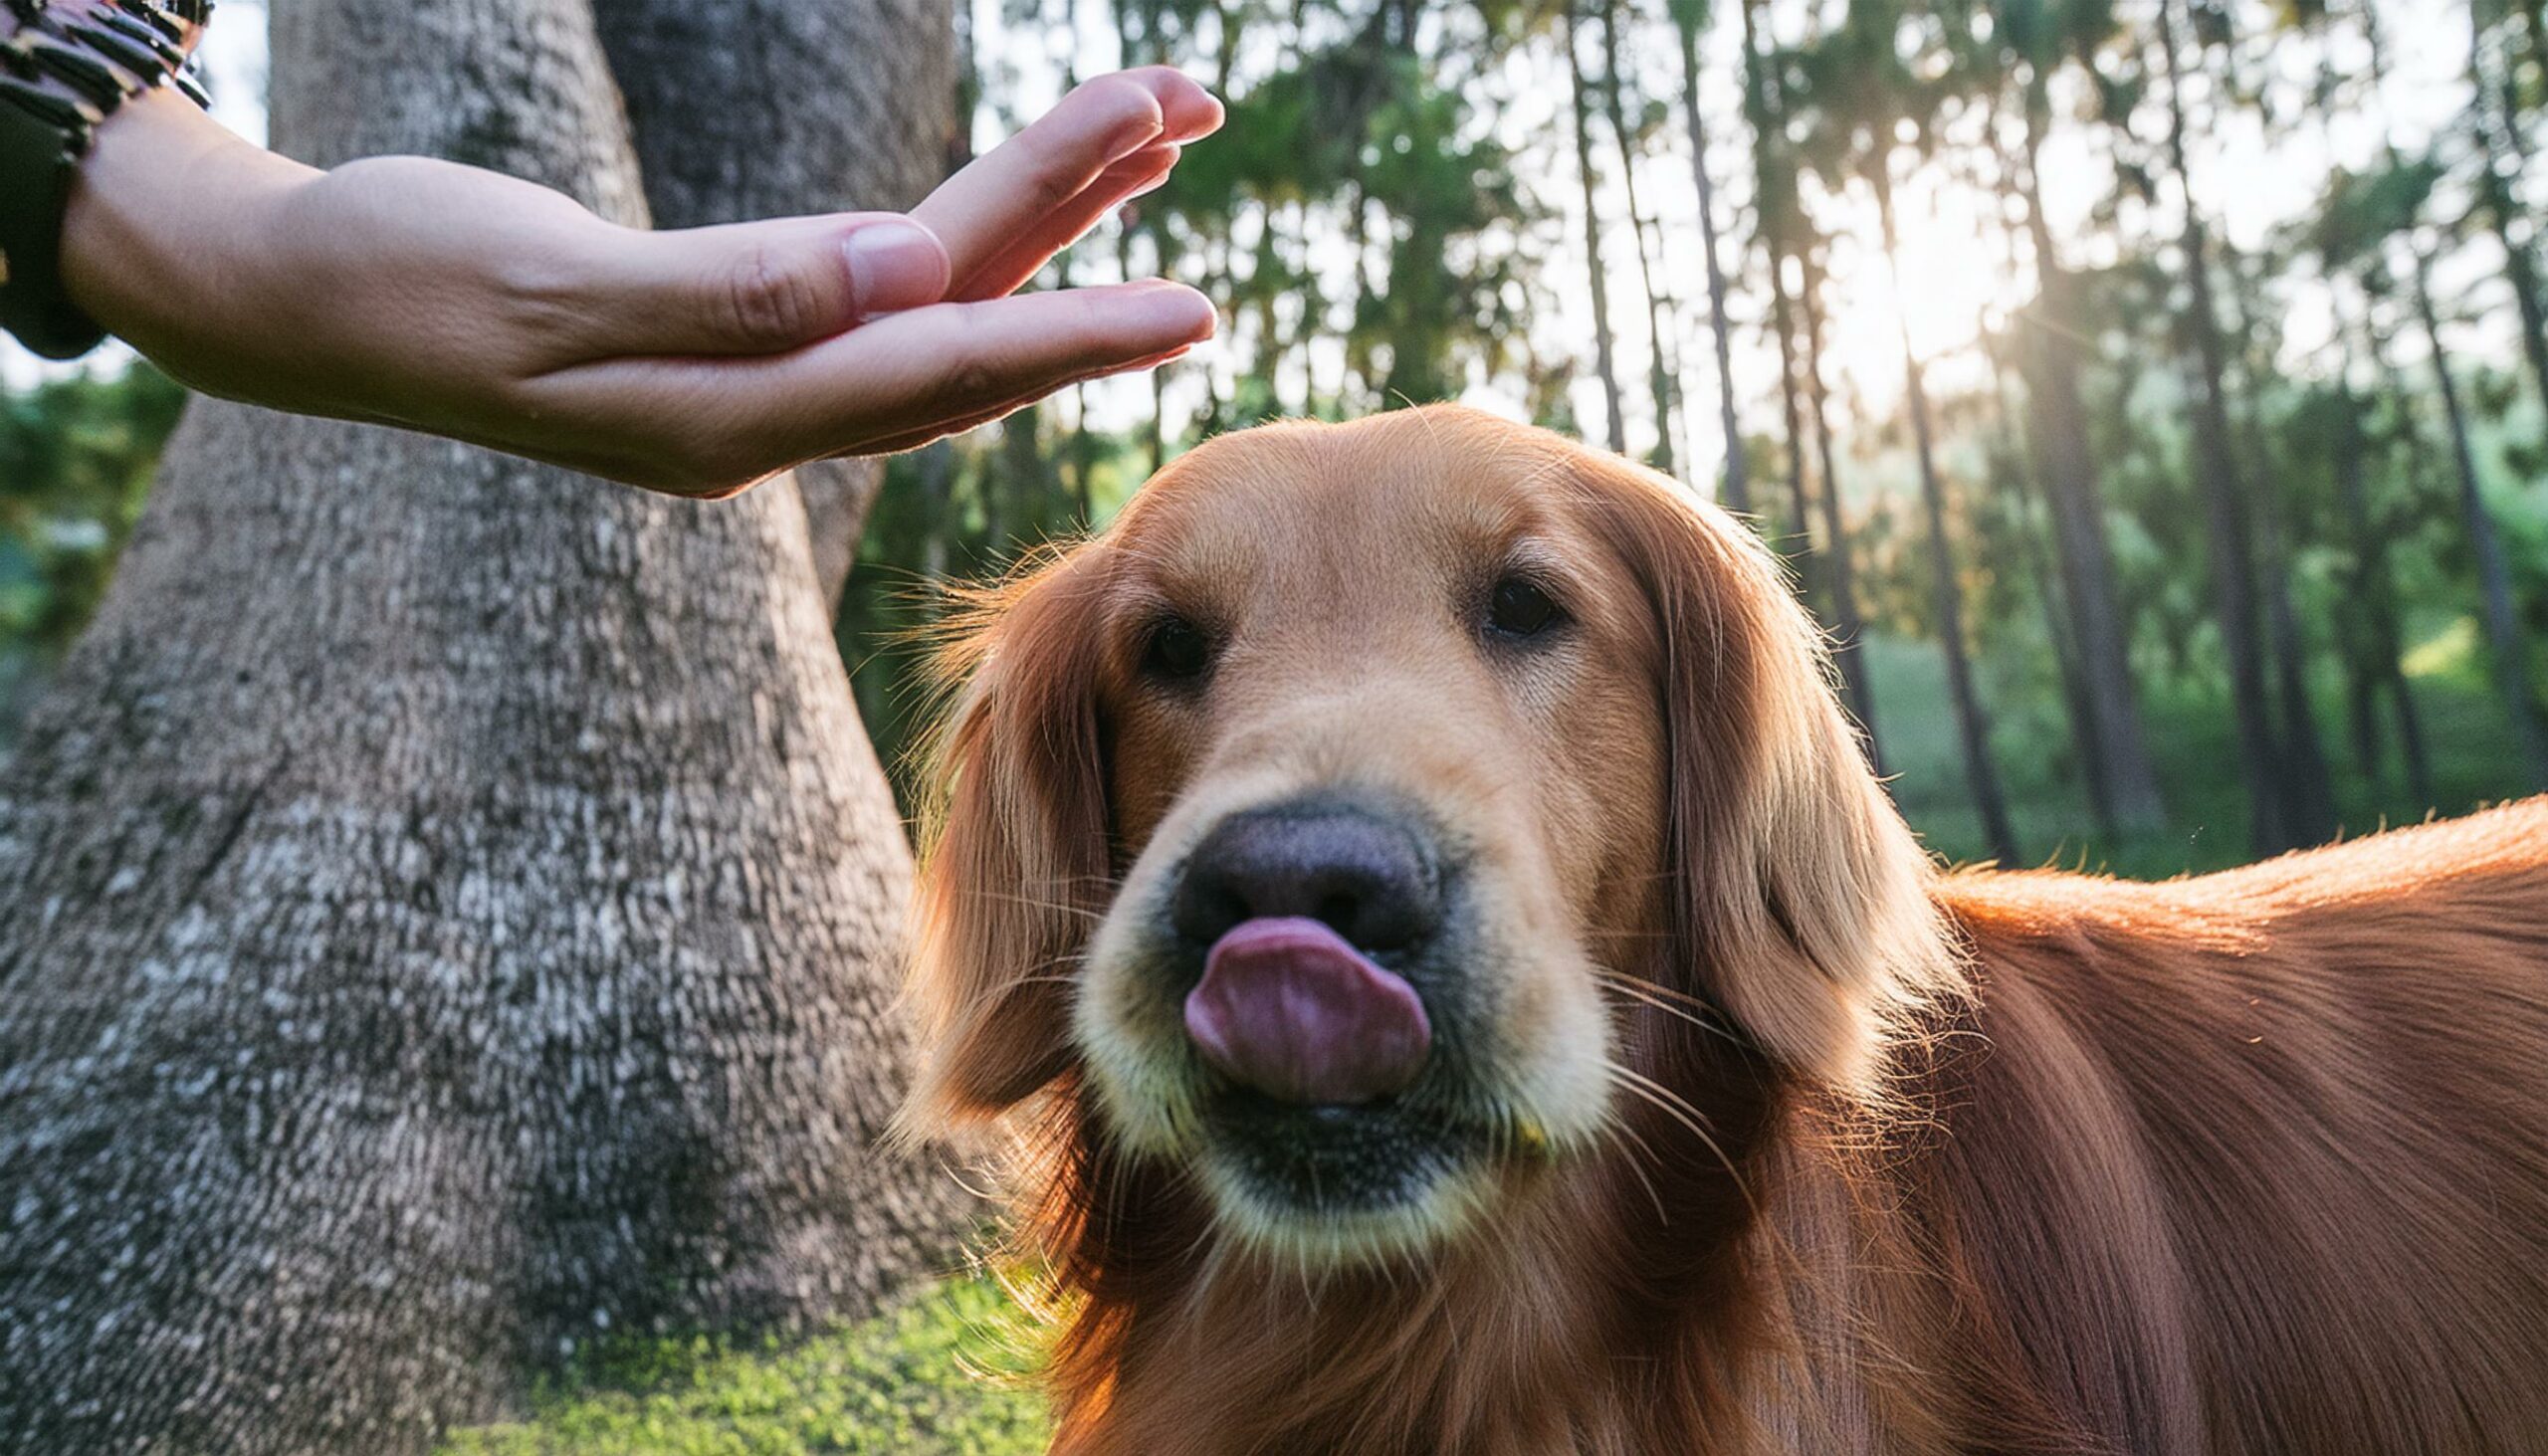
(441, 297)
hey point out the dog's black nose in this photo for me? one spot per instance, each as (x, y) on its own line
(1367, 878)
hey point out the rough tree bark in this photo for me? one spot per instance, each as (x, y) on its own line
(451, 901)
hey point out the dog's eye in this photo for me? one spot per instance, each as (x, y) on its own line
(1178, 650)
(1519, 609)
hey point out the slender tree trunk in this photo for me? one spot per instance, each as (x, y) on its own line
(1021, 476)
(1604, 353)
(2499, 151)
(2419, 476)
(2012, 462)
(2308, 790)
(1662, 370)
(2377, 665)
(2269, 829)
(2494, 581)
(475, 936)
(1973, 723)
(934, 464)
(1774, 179)
(2100, 629)
(1737, 489)
(1155, 426)
(1849, 629)
(1782, 324)
(2375, 600)
(1083, 457)
(2017, 458)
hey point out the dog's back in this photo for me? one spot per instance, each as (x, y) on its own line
(2258, 1161)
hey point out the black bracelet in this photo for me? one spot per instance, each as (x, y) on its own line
(65, 66)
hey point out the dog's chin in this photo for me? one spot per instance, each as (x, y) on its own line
(1348, 1186)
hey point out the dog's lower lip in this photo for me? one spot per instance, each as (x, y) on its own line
(1331, 1113)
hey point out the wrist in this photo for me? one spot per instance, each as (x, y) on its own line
(66, 69)
(160, 237)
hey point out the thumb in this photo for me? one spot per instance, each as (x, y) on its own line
(765, 287)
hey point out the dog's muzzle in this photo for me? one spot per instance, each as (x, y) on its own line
(1297, 905)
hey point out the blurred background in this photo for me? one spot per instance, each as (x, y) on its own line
(2148, 394)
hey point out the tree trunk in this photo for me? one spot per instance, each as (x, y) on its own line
(2494, 581)
(2308, 789)
(2100, 629)
(935, 465)
(2499, 132)
(1772, 178)
(1023, 477)
(2308, 792)
(2374, 599)
(1973, 723)
(2269, 830)
(1738, 486)
(1849, 629)
(2014, 463)
(1604, 353)
(452, 901)
(1662, 368)
(715, 92)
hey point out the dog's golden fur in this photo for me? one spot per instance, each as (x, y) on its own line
(1915, 1161)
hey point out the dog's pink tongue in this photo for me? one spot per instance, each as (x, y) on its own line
(1287, 1007)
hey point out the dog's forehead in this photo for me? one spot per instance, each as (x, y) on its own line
(1420, 491)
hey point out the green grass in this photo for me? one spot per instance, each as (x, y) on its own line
(945, 1374)
(2467, 738)
(948, 1371)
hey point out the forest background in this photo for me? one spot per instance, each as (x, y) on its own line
(2148, 397)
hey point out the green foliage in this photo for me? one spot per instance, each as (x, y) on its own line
(75, 457)
(2363, 210)
(945, 1372)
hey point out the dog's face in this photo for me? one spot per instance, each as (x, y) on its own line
(1387, 761)
(1323, 815)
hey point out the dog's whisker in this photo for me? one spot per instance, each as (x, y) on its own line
(1061, 907)
(1682, 1111)
(1697, 1013)
(1630, 1145)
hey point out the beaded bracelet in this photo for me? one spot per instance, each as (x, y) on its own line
(65, 67)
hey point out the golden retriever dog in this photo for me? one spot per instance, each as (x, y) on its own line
(1453, 985)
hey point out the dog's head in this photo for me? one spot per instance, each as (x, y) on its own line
(1341, 823)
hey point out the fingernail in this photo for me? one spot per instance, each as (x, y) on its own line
(1182, 310)
(894, 265)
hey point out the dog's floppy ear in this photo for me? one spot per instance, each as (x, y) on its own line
(1014, 859)
(1798, 891)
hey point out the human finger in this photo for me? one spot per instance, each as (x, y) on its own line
(1143, 171)
(1013, 188)
(752, 288)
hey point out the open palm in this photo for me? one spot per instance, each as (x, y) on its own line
(443, 297)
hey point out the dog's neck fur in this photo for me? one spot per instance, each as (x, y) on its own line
(1619, 1308)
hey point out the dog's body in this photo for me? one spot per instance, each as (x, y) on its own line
(1876, 1158)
